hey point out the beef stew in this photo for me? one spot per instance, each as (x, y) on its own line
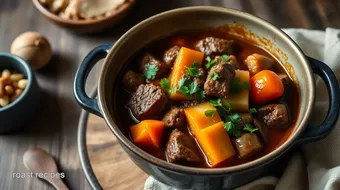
(208, 99)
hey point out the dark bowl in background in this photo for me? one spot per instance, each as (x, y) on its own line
(22, 110)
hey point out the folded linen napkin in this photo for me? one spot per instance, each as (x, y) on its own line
(317, 166)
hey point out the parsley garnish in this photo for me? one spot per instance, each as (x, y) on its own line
(224, 58)
(235, 118)
(193, 70)
(151, 71)
(210, 62)
(249, 128)
(189, 89)
(232, 129)
(252, 110)
(236, 86)
(218, 104)
(209, 113)
(214, 76)
(165, 85)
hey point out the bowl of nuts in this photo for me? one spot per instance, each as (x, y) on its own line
(19, 93)
(84, 15)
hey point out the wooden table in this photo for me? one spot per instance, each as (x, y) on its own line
(55, 127)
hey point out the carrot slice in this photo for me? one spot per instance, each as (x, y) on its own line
(185, 58)
(148, 133)
(216, 144)
(265, 86)
(197, 119)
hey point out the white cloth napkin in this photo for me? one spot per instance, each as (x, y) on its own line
(317, 166)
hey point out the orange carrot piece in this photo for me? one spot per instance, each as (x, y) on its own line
(216, 144)
(265, 86)
(186, 57)
(197, 119)
(148, 133)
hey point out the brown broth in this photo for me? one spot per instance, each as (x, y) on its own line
(276, 136)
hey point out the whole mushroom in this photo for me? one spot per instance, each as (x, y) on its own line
(34, 48)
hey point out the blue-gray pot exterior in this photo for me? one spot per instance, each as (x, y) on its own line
(20, 112)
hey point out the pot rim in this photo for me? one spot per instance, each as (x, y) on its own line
(210, 171)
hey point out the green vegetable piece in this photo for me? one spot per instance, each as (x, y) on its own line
(248, 127)
(225, 58)
(232, 129)
(252, 110)
(210, 63)
(214, 76)
(209, 113)
(235, 118)
(193, 88)
(165, 84)
(193, 70)
(151, 71)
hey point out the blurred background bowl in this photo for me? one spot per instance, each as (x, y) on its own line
(23, 109)
(86, 26)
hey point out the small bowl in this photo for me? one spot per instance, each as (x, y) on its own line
(86, 26)
(23, 109)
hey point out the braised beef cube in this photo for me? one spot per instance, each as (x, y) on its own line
(245, 118)
(156, 82)
(132, 80)
(285, 79)
(181, 149)
(262, 129)
(274, 115)
(219, 85)
(170, 55)
(189, 103)
(247, 144)
(232, 60)
(174, 118)
(146, 60)
(215, 46)
(148, 102)
(256, 63)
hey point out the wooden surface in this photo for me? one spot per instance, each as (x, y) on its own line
(55, 126)
(106, 154)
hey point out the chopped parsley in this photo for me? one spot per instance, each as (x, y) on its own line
(214, 76)
(222, 108)
(248, 127)
(193, 70)
(189, 89)
(252, 110)
(151, 71)
(236, 87)
(225, 58)
(210, 63)
(165, 85)
(232, 129)
(235, 118)
(209, 113)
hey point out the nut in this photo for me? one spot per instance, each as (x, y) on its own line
(22, 83)
(4, 101)
(16, 77)
(16, 95)
(9, 89)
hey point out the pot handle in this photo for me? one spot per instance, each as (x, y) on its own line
(87, 103)
(313, 133)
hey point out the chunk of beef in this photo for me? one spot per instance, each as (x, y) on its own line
(245, 118)
(256, 63)
(181, 149)
(232, 61)
(148, 102)
(190, 103)
(132, 80)
(170, 55)
(274, 115)
(247, 144)
(220, 86)
(262, 129)
(174, 118)
(148, 59)
(215, 46)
